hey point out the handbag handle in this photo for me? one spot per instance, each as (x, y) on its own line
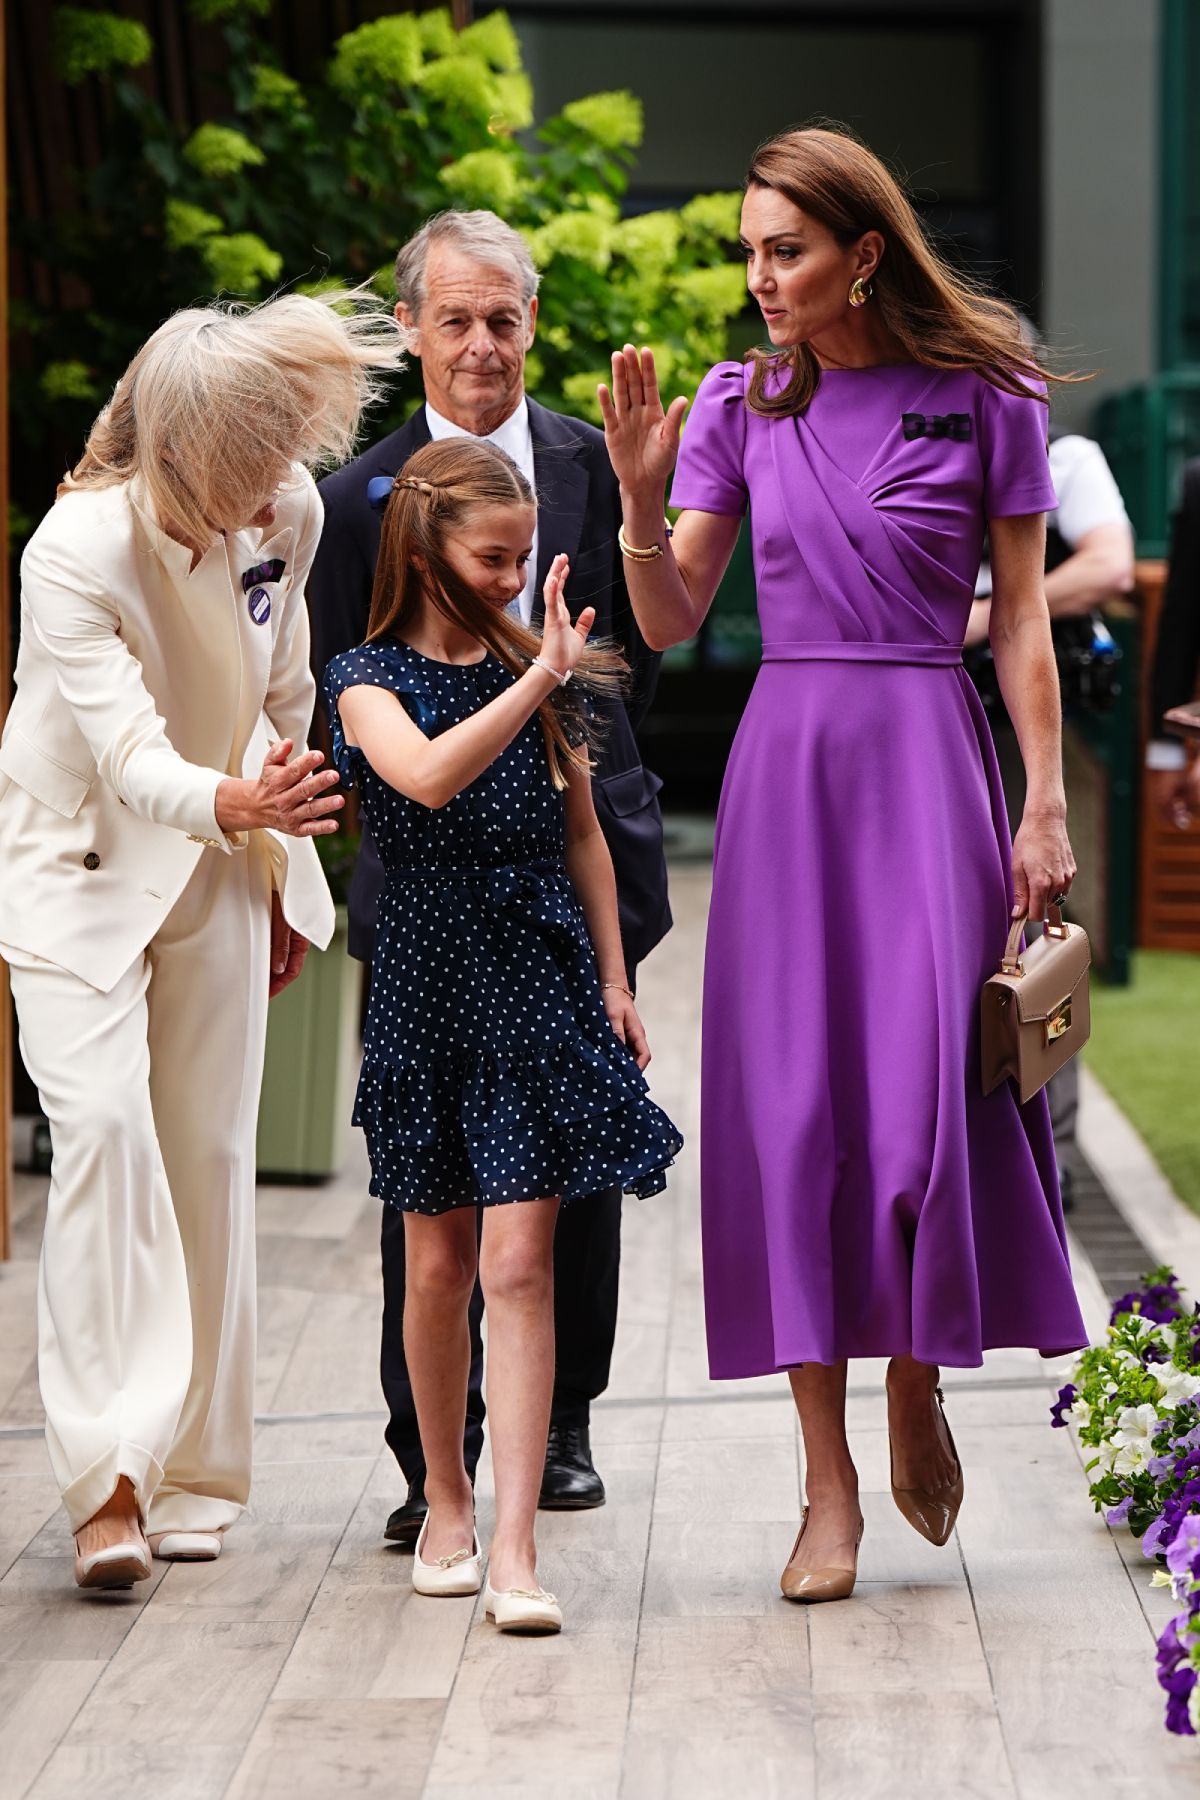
(1011, 963)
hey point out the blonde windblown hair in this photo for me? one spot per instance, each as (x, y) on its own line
(222, 399)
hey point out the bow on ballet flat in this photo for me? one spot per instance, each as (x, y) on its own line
(938, 425)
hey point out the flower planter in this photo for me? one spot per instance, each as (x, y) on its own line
(308, 1077)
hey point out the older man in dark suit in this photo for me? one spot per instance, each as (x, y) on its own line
(468, 290)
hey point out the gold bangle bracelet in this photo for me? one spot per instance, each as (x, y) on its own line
(620, 987)
(636, 553)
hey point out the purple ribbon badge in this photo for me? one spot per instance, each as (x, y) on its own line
(258, 599)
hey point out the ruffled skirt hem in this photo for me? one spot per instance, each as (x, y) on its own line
(489, 1129)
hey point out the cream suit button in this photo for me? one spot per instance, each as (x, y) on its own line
(91, 860)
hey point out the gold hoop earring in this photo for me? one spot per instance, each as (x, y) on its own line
(860, 291)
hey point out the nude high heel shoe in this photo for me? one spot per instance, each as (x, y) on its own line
(933, 1511)
(810, 1585)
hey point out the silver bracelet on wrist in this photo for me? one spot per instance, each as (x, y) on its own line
(539, 662)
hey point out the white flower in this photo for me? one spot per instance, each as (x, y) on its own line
(1194, 1707)
(1081, 1412)
(1139, 1325)
(1177, 1386)
(1160, 1578)
(1131, 1443)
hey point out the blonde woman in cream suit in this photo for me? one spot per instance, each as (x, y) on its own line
(157, 881)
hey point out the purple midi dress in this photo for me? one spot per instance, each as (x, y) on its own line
(860, 1195)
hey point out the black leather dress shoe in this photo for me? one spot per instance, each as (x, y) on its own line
(404, 1525)
(569, 1481)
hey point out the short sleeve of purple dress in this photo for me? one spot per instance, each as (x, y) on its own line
(861, 1196)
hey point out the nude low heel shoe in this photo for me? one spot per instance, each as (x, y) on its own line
(186, 1546)
(448, 1576)
(529, 1610)
(811, 1585)
(933, 1511)
(116, 1566)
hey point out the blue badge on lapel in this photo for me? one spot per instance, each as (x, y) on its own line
(258, 599)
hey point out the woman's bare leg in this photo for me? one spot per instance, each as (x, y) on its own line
(516, 1270)
(921, 1456)
(440, 1262)
(830, 1478)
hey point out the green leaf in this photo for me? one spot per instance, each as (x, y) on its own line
(186, 225)
(91, 43)
(68, 380)
(613, 119)
(220, 151)
(384, 53)
(241, 262)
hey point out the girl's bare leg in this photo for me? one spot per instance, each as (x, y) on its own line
(516, 1270)
(830, 1478)
(440, 1261)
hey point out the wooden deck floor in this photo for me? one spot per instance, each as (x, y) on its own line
(1017, 1661)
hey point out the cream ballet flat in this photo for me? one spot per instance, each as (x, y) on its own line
(186, 1546)
(447, 1576)
(523, 1609)
(116, 1566)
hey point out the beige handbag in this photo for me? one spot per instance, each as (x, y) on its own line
(1035, 1012)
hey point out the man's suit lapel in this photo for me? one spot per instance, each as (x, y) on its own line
(562, 490)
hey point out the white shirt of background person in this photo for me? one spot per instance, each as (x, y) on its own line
(1092, 521)
(516, 440)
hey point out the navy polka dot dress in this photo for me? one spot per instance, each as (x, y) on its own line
(490, 1070)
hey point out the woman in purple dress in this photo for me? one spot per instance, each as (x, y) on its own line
(861, 1196)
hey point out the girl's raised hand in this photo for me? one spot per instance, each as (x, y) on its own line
(642, 439)
(563, 643)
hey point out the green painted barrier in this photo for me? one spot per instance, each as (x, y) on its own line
(310, 1069)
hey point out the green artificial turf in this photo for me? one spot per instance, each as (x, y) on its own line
(1145, 1048)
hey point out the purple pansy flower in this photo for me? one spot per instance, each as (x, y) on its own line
(1064, 1403)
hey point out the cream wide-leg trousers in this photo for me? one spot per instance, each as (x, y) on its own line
(146, 1298)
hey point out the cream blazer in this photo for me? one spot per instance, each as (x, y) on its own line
(141, 683)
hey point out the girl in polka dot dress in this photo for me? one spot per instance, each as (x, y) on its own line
(503, 1050)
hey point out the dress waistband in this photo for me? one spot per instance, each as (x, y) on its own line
(941, 656)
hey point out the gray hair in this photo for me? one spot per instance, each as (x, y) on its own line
(483, 236)
(221, 400)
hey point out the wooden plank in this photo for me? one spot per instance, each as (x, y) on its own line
(44, 1617)
(1068, 1647)
(37, 1704)
(751, 1674)
(368, 1637)
(548, 1715)
(306, 1750)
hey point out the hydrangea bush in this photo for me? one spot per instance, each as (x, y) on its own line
(1135, 1403)
(320, 181)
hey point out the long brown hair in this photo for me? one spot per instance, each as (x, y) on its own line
(940, 318)
(432, 497)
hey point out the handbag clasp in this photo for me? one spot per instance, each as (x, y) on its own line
(1059, 1021)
